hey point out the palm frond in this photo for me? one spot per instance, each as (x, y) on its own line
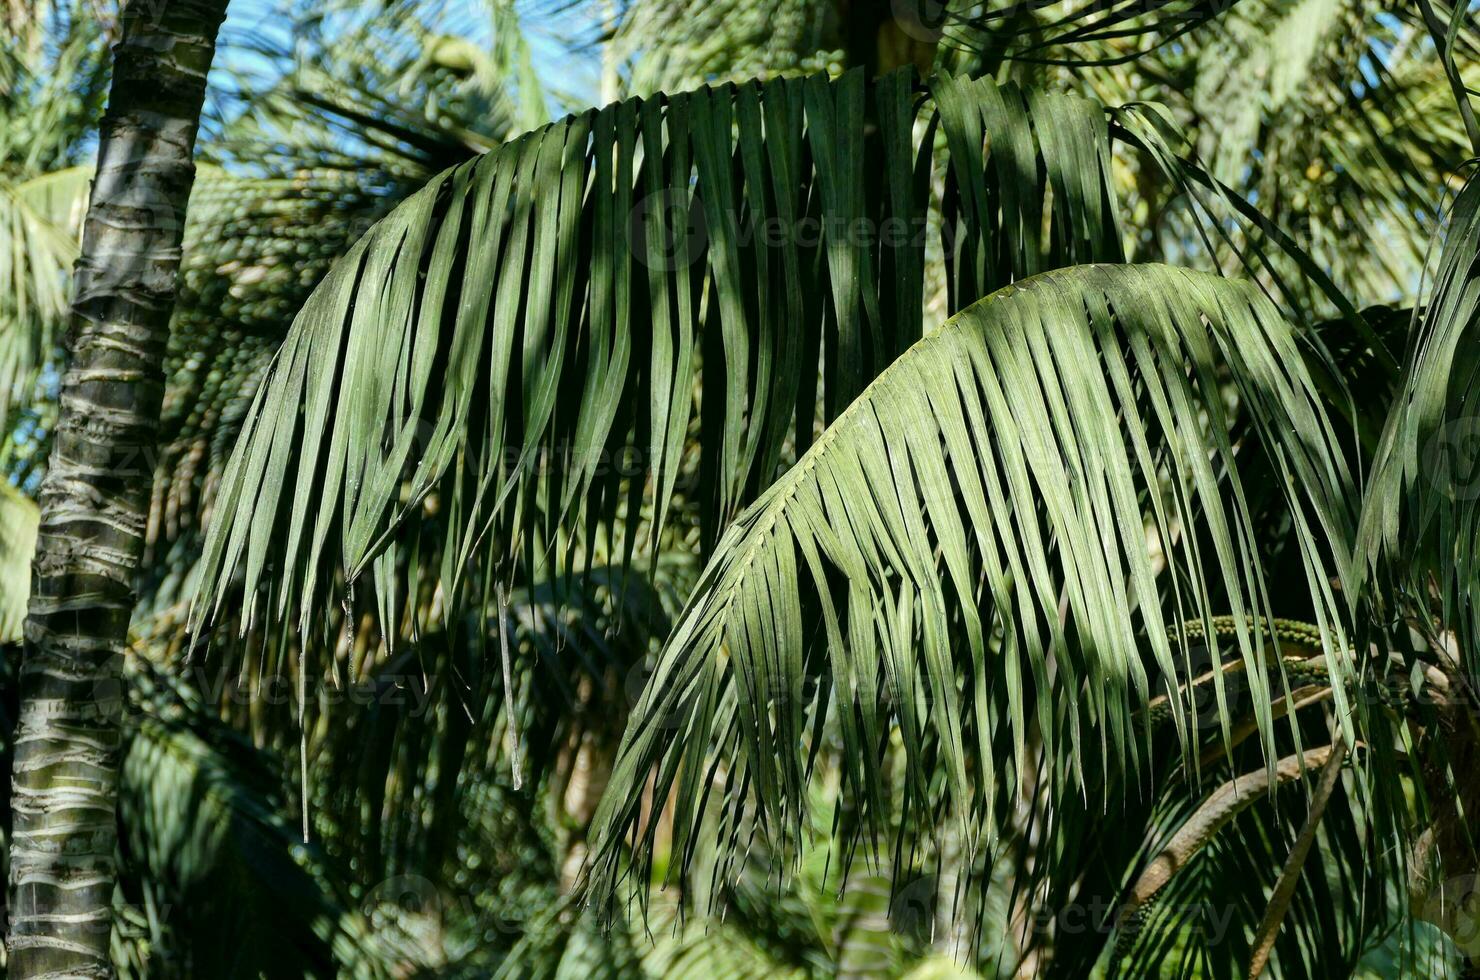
(1004, 483)
(18, 523)
(1202, 919)
(520, 341)
(380, 89)
(1420, 524)
(255, 247)
(1331, 113)
(53, 80)
(1334, 116)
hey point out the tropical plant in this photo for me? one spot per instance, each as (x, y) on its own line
(984, 658)
(1043, 546)
(49, 93)
(255, 242)
(94, 496)
(1331, 114)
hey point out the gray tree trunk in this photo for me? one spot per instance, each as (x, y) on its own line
(95, 495)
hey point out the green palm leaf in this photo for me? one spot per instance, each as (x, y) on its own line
(1420, 523)
(1352, 166)
(1202, 920)
(673, 44)
(967, 553)
(531, 319)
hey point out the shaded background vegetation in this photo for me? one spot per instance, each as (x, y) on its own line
(381, 795)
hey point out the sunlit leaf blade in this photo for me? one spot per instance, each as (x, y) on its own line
(254, 248)
(532, 326)
(967, 553)
(18, 522)
(40, 225)
(1420, 522)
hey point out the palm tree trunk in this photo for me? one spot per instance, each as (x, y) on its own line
(95, 495)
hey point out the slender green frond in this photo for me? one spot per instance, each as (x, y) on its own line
(1335, 117)
(668, 44)
(521, 342)
(1196, 892)
(1420, 522)
(986, 549)
(254, 249)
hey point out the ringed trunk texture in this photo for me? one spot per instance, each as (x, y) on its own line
(95, 495)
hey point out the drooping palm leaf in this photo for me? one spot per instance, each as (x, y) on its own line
(1202, 920)
(1221, 851)
(1334, 117)
(1331, 113)
(1420, 523)
(966, 553)
(254, 249)
(521, 340)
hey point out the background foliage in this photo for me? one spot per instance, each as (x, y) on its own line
(383, 754)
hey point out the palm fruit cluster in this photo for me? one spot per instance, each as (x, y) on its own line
(1299, 649)
(747, 40)
(1294, 637)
